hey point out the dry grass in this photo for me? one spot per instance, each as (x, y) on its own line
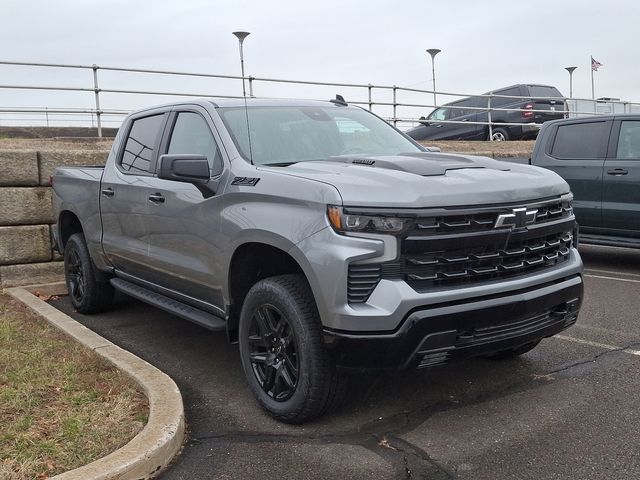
(62, 144)
(520, 148)
(61, 406)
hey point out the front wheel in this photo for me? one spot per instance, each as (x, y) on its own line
(283, 356)
(87, 294)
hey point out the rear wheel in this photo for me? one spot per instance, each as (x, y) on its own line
(283, 356)
(87, 294)
(514, 352)
(498, 135)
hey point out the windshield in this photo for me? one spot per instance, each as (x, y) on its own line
(297, 134)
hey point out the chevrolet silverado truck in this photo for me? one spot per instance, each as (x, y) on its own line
(599, 157)
(323, 240)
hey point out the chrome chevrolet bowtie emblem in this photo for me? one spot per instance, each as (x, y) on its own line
(518, 218)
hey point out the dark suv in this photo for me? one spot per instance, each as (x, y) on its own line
(535, 97)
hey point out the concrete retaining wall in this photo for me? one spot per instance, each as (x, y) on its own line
(26, 255)
(26, 216)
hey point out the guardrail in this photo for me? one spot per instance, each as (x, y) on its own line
(386, 102)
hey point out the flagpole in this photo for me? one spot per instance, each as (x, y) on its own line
(593, 91)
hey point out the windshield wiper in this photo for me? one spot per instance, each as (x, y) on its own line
(279, 164)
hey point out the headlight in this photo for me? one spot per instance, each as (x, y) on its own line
(348, 222)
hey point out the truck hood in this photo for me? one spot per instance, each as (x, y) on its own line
(429, 179)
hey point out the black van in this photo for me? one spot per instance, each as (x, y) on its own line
(433, 128)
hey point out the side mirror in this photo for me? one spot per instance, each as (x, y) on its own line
(423, 120)
(185, 168)
(189, 168)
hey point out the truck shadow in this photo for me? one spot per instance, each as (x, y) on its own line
(620, 260)
(209, 373)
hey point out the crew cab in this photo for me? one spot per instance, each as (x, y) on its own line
(599, 157)
(321, 239)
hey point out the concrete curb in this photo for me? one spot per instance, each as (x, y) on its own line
(154, 447)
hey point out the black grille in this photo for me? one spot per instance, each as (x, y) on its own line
(484, 221)
(361, 281)
(431, 269)
(461, 249)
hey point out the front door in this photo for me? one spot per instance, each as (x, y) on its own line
(182, 225)
(621, 189)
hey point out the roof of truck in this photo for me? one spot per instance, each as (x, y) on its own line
(265, 102)
(239, 102)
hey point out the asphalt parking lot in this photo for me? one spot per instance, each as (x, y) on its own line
(570, 409)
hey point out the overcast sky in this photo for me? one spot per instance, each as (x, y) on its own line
(485, 45)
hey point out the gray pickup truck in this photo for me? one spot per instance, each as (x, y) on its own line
(322, 240)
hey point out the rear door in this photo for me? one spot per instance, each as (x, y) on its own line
(465, 129)
(183, 226)
(621, 188)
(576, 151)
(123, 194)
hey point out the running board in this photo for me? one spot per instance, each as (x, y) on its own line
(609, 241)
(204, 319)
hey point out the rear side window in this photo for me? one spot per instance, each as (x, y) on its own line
(629, 141)
(498, 101)
(461, 111)
(141, 143)
(580, 141)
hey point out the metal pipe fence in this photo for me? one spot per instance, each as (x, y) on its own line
(392, 109)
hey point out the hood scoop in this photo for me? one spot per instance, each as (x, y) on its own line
(363, 161)
(423, 163)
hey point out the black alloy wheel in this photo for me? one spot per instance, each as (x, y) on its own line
(89, 289)
(75, 275)
(273, 353)
(284, 358)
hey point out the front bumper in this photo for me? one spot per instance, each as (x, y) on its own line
(430, 336)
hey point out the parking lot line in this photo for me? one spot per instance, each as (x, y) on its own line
(630, 351)
(595, 270)
(631, 280)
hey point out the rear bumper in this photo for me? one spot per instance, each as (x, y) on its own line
(438, 334)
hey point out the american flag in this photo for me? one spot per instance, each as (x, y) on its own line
(595, 65)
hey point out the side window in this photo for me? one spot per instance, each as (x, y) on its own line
(439, 114)
(140, 144)
(580, 140)
(191, 135)
(499, 102)
(629, 141)
(459, 112)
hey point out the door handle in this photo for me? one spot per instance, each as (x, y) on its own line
(617, 172)
(156, 198)
(438, 125)
(108, 192)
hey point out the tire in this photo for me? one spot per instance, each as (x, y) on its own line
(499, 135)
(514, 352)
(285, 362)
(87, 294)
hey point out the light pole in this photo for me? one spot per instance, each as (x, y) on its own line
(241, 36)
(433, 52)
(570, 70)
